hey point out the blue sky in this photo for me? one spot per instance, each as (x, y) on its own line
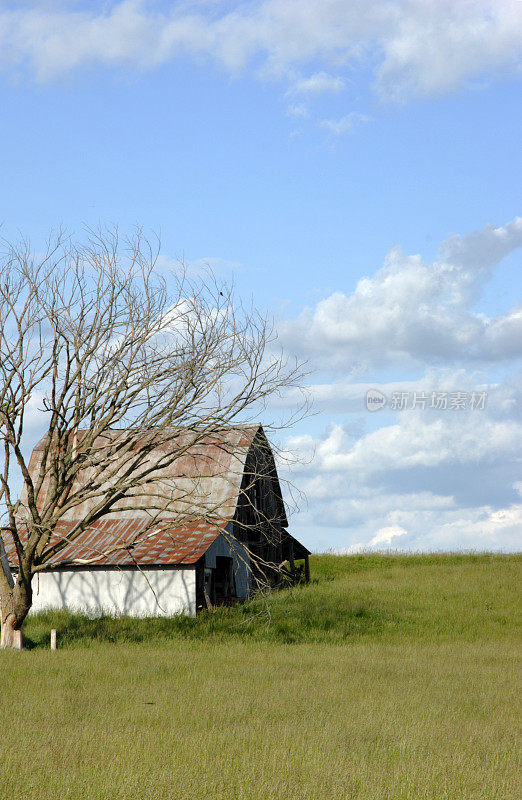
(299, 147)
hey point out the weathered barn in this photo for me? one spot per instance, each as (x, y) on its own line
(209, 525)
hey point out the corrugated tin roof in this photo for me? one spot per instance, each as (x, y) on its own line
(204, 480)
(105, 543)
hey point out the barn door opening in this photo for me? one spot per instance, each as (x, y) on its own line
(224, 583)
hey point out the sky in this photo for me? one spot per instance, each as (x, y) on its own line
(354, 167)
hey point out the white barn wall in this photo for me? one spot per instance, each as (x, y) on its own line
(120, 591)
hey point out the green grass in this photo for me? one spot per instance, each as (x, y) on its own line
(433, 597)
(388, 678)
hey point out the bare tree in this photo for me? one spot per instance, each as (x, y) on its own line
(116, 359)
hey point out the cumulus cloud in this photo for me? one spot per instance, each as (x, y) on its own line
(416, 311)
(415, 441)
(347, 512)
(422, 479)
(481, 528)
(425, 477)
(381, 541)
(349, 394)
(420, 48)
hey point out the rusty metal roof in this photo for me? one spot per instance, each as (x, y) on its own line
(205, 479)
(106, 543)
(189, 500)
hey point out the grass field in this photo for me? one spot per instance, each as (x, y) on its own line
(387, 677)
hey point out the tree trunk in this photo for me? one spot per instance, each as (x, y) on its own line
(10, 637)
(14, 607)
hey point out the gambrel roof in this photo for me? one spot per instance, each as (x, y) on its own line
(204, 479)
(202, 486)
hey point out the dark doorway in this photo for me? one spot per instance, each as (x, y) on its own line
(224, 583)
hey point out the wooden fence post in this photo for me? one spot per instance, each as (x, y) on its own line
(53, 638)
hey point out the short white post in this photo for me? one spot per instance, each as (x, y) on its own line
(53, 638)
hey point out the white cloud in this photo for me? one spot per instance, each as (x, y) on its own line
(441, 479)
(421, 48)
(441, 44)
(412, 311)
(481, 528)
(318, 83)
(348, 512)
(381, 541)
(35, 416)
(339, 127)
(423, 478)
(385, 536)
(348, 395)
(459, 437)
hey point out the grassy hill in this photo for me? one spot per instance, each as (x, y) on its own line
(386, 678)
(379, 597)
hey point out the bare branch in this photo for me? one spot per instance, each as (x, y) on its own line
(132, 373)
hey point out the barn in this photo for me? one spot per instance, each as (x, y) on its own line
(224, 527)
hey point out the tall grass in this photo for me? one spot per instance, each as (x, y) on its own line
(433, 597)
(401, 683)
